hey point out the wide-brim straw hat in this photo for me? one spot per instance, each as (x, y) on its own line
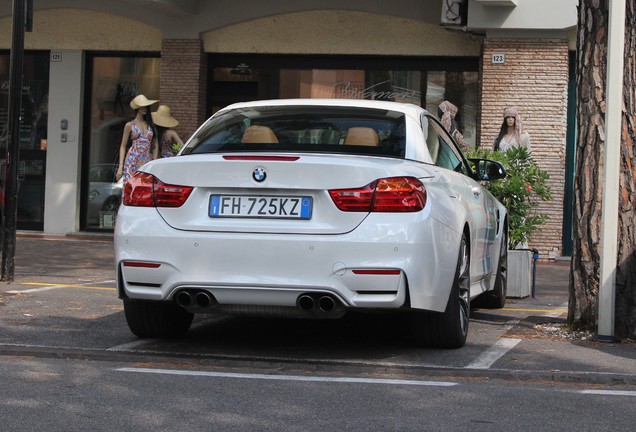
(141, 101)
(163, 118)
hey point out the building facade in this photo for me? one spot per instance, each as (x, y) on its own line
(84, 61)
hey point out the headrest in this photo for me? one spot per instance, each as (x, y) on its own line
(256, 134)
(362, 136)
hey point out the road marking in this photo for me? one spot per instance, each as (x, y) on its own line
(608, 392)
(556, 313)
(494, 353)
(289, 377)
(129, 346)
(48, 287)
(549, 311)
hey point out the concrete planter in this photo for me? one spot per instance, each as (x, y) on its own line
(519, 273)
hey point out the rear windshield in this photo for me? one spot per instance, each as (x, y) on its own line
(345, 130)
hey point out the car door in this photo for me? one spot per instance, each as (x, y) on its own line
(479, 205)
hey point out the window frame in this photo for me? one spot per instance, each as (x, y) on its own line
(447, 142)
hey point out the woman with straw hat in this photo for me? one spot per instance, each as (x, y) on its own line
(142, 132)
(169, 140)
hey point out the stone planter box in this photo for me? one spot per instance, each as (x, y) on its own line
(519, 273)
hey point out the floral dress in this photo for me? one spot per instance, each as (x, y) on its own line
(139, 152)
(165, 146)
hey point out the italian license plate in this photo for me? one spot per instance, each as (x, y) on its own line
(248, 206)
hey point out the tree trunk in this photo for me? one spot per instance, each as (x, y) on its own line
(591, 74)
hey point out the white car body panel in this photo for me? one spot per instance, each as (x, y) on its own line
(271, 262)
(295, 265)
(211, 174)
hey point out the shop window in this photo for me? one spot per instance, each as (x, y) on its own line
(398, 86)
(113, 82)
(33, 136)
(460, 88)
(260, 78)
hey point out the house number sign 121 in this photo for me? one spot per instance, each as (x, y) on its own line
(498, 58)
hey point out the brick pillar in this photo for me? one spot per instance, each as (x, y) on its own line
(183, 82)
(534, 79)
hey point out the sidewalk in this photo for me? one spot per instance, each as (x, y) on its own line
(528, 336)
(547, 344)
(79, 256)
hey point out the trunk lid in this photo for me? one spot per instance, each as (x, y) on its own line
(287, 179)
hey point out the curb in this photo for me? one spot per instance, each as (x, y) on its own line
(282, 366)
(89, 236)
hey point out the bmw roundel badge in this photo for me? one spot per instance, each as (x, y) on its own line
(259, 174)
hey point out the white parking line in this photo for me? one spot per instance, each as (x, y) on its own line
(494, 353)
(289, 377)
(130, 346)
(33, 290)
(48, 287)
(608, 392)
(557, 314)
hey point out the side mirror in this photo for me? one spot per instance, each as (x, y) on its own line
(486, 169)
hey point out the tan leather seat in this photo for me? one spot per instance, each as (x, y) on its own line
(362, 136)
(256, 134)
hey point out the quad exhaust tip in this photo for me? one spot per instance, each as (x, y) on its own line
(326, 303)
(306, 302)
(184, 299)
(320, 305)
(200, 298)
(203, 299)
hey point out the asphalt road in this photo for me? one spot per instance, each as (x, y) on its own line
(69, 362)
(63, 302)
(62, 395)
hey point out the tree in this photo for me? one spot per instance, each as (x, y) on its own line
(590, 82)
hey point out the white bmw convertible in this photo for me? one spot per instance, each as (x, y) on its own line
(312, 208)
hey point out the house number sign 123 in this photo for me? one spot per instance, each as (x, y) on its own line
(498, 58)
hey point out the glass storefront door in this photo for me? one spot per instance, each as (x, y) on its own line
(33, 136)
(113, 82)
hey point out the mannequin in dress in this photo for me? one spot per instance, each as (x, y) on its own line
(166, 135)
(142, 132)
(512, 133)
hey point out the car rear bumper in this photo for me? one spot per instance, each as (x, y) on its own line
(378, 265)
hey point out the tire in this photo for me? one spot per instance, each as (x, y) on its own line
(496, 299)
(448, 329)
(156, 319)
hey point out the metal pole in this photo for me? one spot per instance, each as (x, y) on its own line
(534, 279)
(13, 141)
(611, 169)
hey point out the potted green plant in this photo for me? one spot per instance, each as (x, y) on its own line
(520, 191)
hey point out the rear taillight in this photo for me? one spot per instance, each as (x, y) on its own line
(394, 194)
(146, 190)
